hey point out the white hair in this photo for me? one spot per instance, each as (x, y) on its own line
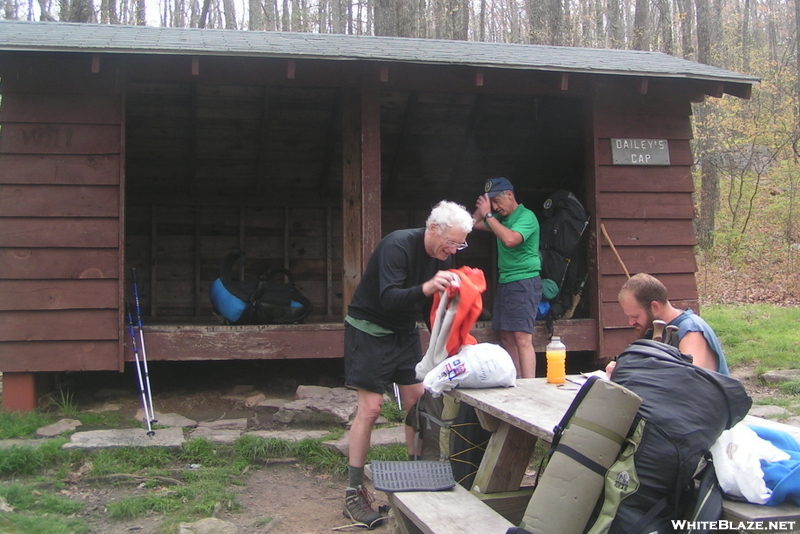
(449, 214)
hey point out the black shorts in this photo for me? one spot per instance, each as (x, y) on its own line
(515, 305)
(372, 363)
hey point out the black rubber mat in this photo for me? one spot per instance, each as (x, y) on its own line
(412, 476)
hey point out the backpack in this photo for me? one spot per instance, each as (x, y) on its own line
(253, 302)
(684, 410)
(450, 430)
(561, 226)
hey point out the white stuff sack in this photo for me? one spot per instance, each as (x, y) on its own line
(737, 458)
(484, 365)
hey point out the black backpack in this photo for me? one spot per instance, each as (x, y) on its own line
(561, 226)
(684, 410)
(252, 302)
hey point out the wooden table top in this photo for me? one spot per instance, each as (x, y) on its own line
(532, 405)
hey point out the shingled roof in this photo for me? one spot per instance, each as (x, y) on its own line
(71, 37)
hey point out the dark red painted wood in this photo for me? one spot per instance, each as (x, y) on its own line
(633, 232)
(630, 178)
(618, 125)
(61, 108)
(56, 263)
(56, 232)
(59, 325)
(63, 355)
(654, 260)
(57, 294)
(59, 201)
(59, 139)
(662, 205)
(59, 169)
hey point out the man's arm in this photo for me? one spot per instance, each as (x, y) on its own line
(702, 356)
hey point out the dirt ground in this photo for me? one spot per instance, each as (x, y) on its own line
(299, 500)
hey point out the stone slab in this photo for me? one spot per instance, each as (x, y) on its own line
(168, 419)
(57, 428)
(778, 376)
(128, 437)
(389, 435)
(209, 525)
(225, 424)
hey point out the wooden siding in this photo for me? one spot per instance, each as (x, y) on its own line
(647, 210)
(60, 214)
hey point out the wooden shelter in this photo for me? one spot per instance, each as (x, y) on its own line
(165, 148)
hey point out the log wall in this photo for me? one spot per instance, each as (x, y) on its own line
(61, 129)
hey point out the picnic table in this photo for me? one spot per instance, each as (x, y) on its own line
(517, 418)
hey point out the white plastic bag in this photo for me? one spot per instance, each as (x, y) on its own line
(484, 365)
(737, 460)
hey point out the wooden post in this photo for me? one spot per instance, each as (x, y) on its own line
(351, 195)
(19, 392)
(361, 187)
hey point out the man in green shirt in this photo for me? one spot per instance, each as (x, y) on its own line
(519, 287)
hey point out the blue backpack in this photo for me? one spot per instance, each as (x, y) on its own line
(254, 302)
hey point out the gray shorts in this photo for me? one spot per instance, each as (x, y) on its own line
(515, 305)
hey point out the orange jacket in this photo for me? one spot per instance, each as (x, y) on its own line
(467, 298)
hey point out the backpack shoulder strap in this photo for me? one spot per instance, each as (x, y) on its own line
(230, 260)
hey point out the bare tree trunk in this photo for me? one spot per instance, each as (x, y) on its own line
(452, 21)
(386, 17)
(45, 12)
(686, 20)
(536, 21)
(286, 23)
(772, 31)
(616, 37)
(337, 18)
(746, 35)
(255, 19)
(666, 42)
(641, 32)
(709, 186)
(297, 17)
(204, 14)
(555, 15)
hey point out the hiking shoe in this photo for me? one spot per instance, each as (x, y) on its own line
(358, 507)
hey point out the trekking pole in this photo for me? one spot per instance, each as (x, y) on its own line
(147, 415)
(141, 340)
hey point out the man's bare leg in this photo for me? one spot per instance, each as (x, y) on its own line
(410, 395)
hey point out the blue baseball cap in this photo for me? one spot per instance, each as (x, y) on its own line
(494, 186)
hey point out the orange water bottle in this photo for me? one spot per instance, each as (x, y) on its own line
(556, 361)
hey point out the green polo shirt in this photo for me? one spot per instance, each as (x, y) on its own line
(520, 262)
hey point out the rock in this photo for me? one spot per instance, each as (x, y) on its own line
(168, 419)
(128, 437)
(4, 506)
(105, 407)
(389, 435)
(223, 436)
(767, 411)
(311, 392)
(225, 424)
(253, 400)
(57, 428)
(781, 375)
(289, 435)
(209, 525)
(270, 406)
(327, 410)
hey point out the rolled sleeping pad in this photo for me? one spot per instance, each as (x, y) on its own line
(594, 429)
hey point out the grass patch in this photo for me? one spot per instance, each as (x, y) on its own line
(22, 461)
(14, 523)
(790, 388)
(22, 424)
(392, 412)
(130, 460)
(762, 335)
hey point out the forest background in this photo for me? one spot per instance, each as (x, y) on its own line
(746, 152)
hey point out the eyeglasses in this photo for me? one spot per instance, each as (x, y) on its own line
(458, 246)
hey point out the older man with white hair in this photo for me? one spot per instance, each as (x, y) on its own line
(381, 341)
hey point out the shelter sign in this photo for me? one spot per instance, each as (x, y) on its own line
(640, 151)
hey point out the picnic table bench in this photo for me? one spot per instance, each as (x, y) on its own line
(517, 418)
